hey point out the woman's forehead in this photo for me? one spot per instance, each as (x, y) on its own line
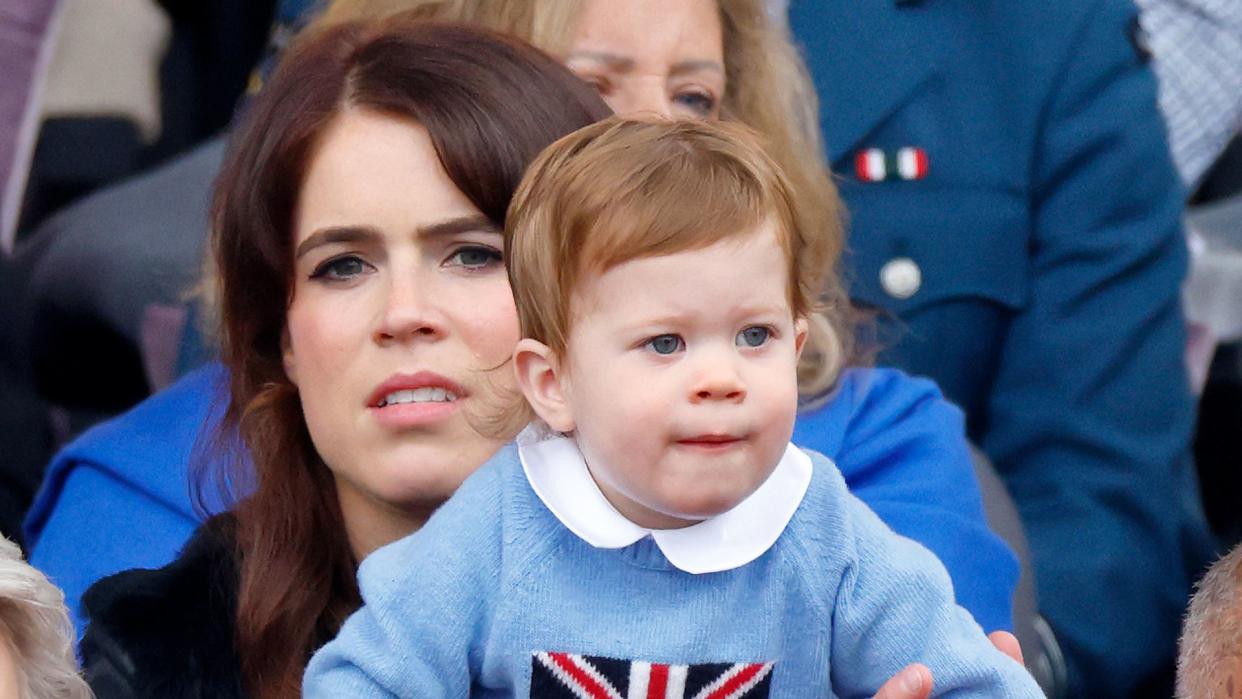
(377, 170)
(624, 35)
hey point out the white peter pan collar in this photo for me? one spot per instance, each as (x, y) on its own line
(559, 476)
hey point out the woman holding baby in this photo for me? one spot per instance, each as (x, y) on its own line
(367, 323)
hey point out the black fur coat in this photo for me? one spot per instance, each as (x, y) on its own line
(167, 633)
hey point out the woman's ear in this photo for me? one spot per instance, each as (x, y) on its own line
(801, 329)
(540, 378)
(286, 357)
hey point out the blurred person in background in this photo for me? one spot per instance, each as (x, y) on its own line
(1209, 664)
(1015, 211)
(26, 39)
(36, 638)
(1196, 48)
(69, 349)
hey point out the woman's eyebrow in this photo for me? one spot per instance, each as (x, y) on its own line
(366, 234)
(696, 67)
(617, 62)
(624, 64)
(461, 224)
(335, 234)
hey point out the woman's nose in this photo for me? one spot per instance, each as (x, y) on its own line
(410, 312)
(641, 95)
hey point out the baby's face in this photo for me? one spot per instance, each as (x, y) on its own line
(681, 378)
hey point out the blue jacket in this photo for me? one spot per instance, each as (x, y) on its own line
(118, 496)
(1032, 268)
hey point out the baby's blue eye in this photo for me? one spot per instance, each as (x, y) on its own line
(665, 344)
(753, 336)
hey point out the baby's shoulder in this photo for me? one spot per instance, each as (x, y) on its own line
(825, 502)
(521, 524)
(820, 535)
(832, 525)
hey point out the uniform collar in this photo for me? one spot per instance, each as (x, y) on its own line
(559, 476)
(901, 42)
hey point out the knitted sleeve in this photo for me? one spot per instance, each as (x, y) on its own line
(895, 606)
(902, 448)
(427, 604)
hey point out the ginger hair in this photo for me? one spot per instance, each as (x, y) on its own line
(625, 189)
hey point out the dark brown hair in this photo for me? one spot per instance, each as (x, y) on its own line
(490, 104)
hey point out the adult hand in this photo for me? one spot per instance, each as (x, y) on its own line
(1007, 643)
(915, 681)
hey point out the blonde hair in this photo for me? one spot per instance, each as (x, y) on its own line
(542, 23)
(36, 628)
(1211, 644)
(768, 88)
(625, 189)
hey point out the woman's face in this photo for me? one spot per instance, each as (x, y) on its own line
(661, 56)
(401, 313)
(10, 683)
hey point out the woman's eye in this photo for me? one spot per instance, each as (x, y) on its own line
(753, 337)
(339, 268)
(700, 103)
(601, 84)
(475, 257)
(665, 344)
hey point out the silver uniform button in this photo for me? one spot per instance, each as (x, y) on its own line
(901, 277)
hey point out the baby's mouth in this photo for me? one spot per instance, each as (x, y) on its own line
(711, 441)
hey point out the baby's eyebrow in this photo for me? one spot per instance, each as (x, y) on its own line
(662, 321)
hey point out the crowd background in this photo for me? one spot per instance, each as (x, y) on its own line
(99, 99)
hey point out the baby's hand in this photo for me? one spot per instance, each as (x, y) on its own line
(915, 681)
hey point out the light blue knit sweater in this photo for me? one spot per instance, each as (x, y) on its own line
(495, 596)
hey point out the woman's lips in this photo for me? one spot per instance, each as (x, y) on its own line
(408, 415)
(413, 400)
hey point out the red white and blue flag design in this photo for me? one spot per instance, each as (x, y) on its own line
(570, 676)
(876, 165)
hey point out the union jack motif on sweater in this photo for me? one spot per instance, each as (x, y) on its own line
(571, 676)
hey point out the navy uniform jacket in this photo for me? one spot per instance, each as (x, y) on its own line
(1034, 272)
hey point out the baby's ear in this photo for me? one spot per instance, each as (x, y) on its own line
(539, 376)
(801, 329)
